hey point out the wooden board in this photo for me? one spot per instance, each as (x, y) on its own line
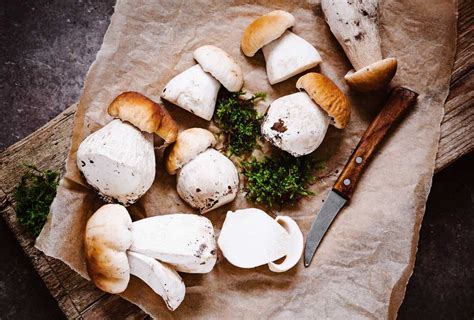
(48, 147)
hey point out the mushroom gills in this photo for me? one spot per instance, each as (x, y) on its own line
(164, 281)
(289, 55)
(193, 90)
(118, 161)
(185, 241)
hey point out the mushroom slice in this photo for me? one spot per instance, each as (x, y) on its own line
(289, 55)
(185, 241)
(144, 114)
(160, 277)
(264, 30)
(250, 238)
(295, 124)
(208, 181)
(373, 76)
(193, 90)
(189, 144)
(294, 245)
(328, 96)
(118, 161)
(221, 65)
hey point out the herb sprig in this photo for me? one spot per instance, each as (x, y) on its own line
(33, 196)
(238, 119)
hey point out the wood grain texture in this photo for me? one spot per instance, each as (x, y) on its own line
(48, 147)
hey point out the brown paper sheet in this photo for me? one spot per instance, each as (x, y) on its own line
(363, 264)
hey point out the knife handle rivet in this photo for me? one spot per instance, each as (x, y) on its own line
(359, 160)
(347, 182)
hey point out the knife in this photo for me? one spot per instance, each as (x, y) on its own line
(399, 101)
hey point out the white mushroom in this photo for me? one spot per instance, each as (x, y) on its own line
(286, 54)
(118, 161)
(297, 123)
(355, 26)
(250, 238)
(193, 90)
(206, 179)
(115, 248)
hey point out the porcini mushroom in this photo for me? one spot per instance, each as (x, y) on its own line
(206, 179)
(112, 245)
(250, 238)
(286, 54)
(355, 26)
(196, 88)
(297, 123)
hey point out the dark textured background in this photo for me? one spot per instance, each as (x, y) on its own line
(46, 48)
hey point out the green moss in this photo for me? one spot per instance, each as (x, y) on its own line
(33, 196)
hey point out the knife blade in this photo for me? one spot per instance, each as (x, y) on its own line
(399, 101)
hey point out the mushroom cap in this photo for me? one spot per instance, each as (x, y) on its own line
(373, 76)
(118, 161)
(294, 246)
(144, 114)
(289, 55)
(328, 96)
(189, 144)
(107, 238)
(295, 124)
(193, 90)
(208, 181)
(250, 238)
(221, 65)
(264, 30)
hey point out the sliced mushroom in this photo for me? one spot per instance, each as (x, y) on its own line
(297, 123)
(355, 26)
(118, 161)
(286, 53)
(221, 65)
(111, 239)
(193, 90)
(250, 238)
(206, 178)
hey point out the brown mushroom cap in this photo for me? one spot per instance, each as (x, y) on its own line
(373, 76)
(144, 114)
(328, 96)
(264, 30)
(189, 144)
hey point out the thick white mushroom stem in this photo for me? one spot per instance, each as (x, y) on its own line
(294, 246)
(161, 278)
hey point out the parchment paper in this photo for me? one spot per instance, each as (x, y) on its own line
(365, 260)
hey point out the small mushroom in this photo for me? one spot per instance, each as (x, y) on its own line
(112, 245)
(196, 88)
(286, 54)
(250, 238)
(206, 179)
(355, 26)
(297, 123)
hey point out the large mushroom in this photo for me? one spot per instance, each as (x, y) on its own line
(286, 54)
(297, 123)
(115, 248)
(250, 238)
(196, 88)
(118, 160)
(206, 179)
(355, 26)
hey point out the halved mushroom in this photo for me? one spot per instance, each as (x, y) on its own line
(112, 245)
(286, 54)
(355, 26)
(297, 123)
(118, 161)
(195, 90)
(250, 238)
(206, 178)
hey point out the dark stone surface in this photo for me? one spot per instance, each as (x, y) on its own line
(46, 49)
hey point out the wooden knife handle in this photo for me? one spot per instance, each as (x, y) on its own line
(399, 101)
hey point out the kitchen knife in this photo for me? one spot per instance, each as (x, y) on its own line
(399, 101)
